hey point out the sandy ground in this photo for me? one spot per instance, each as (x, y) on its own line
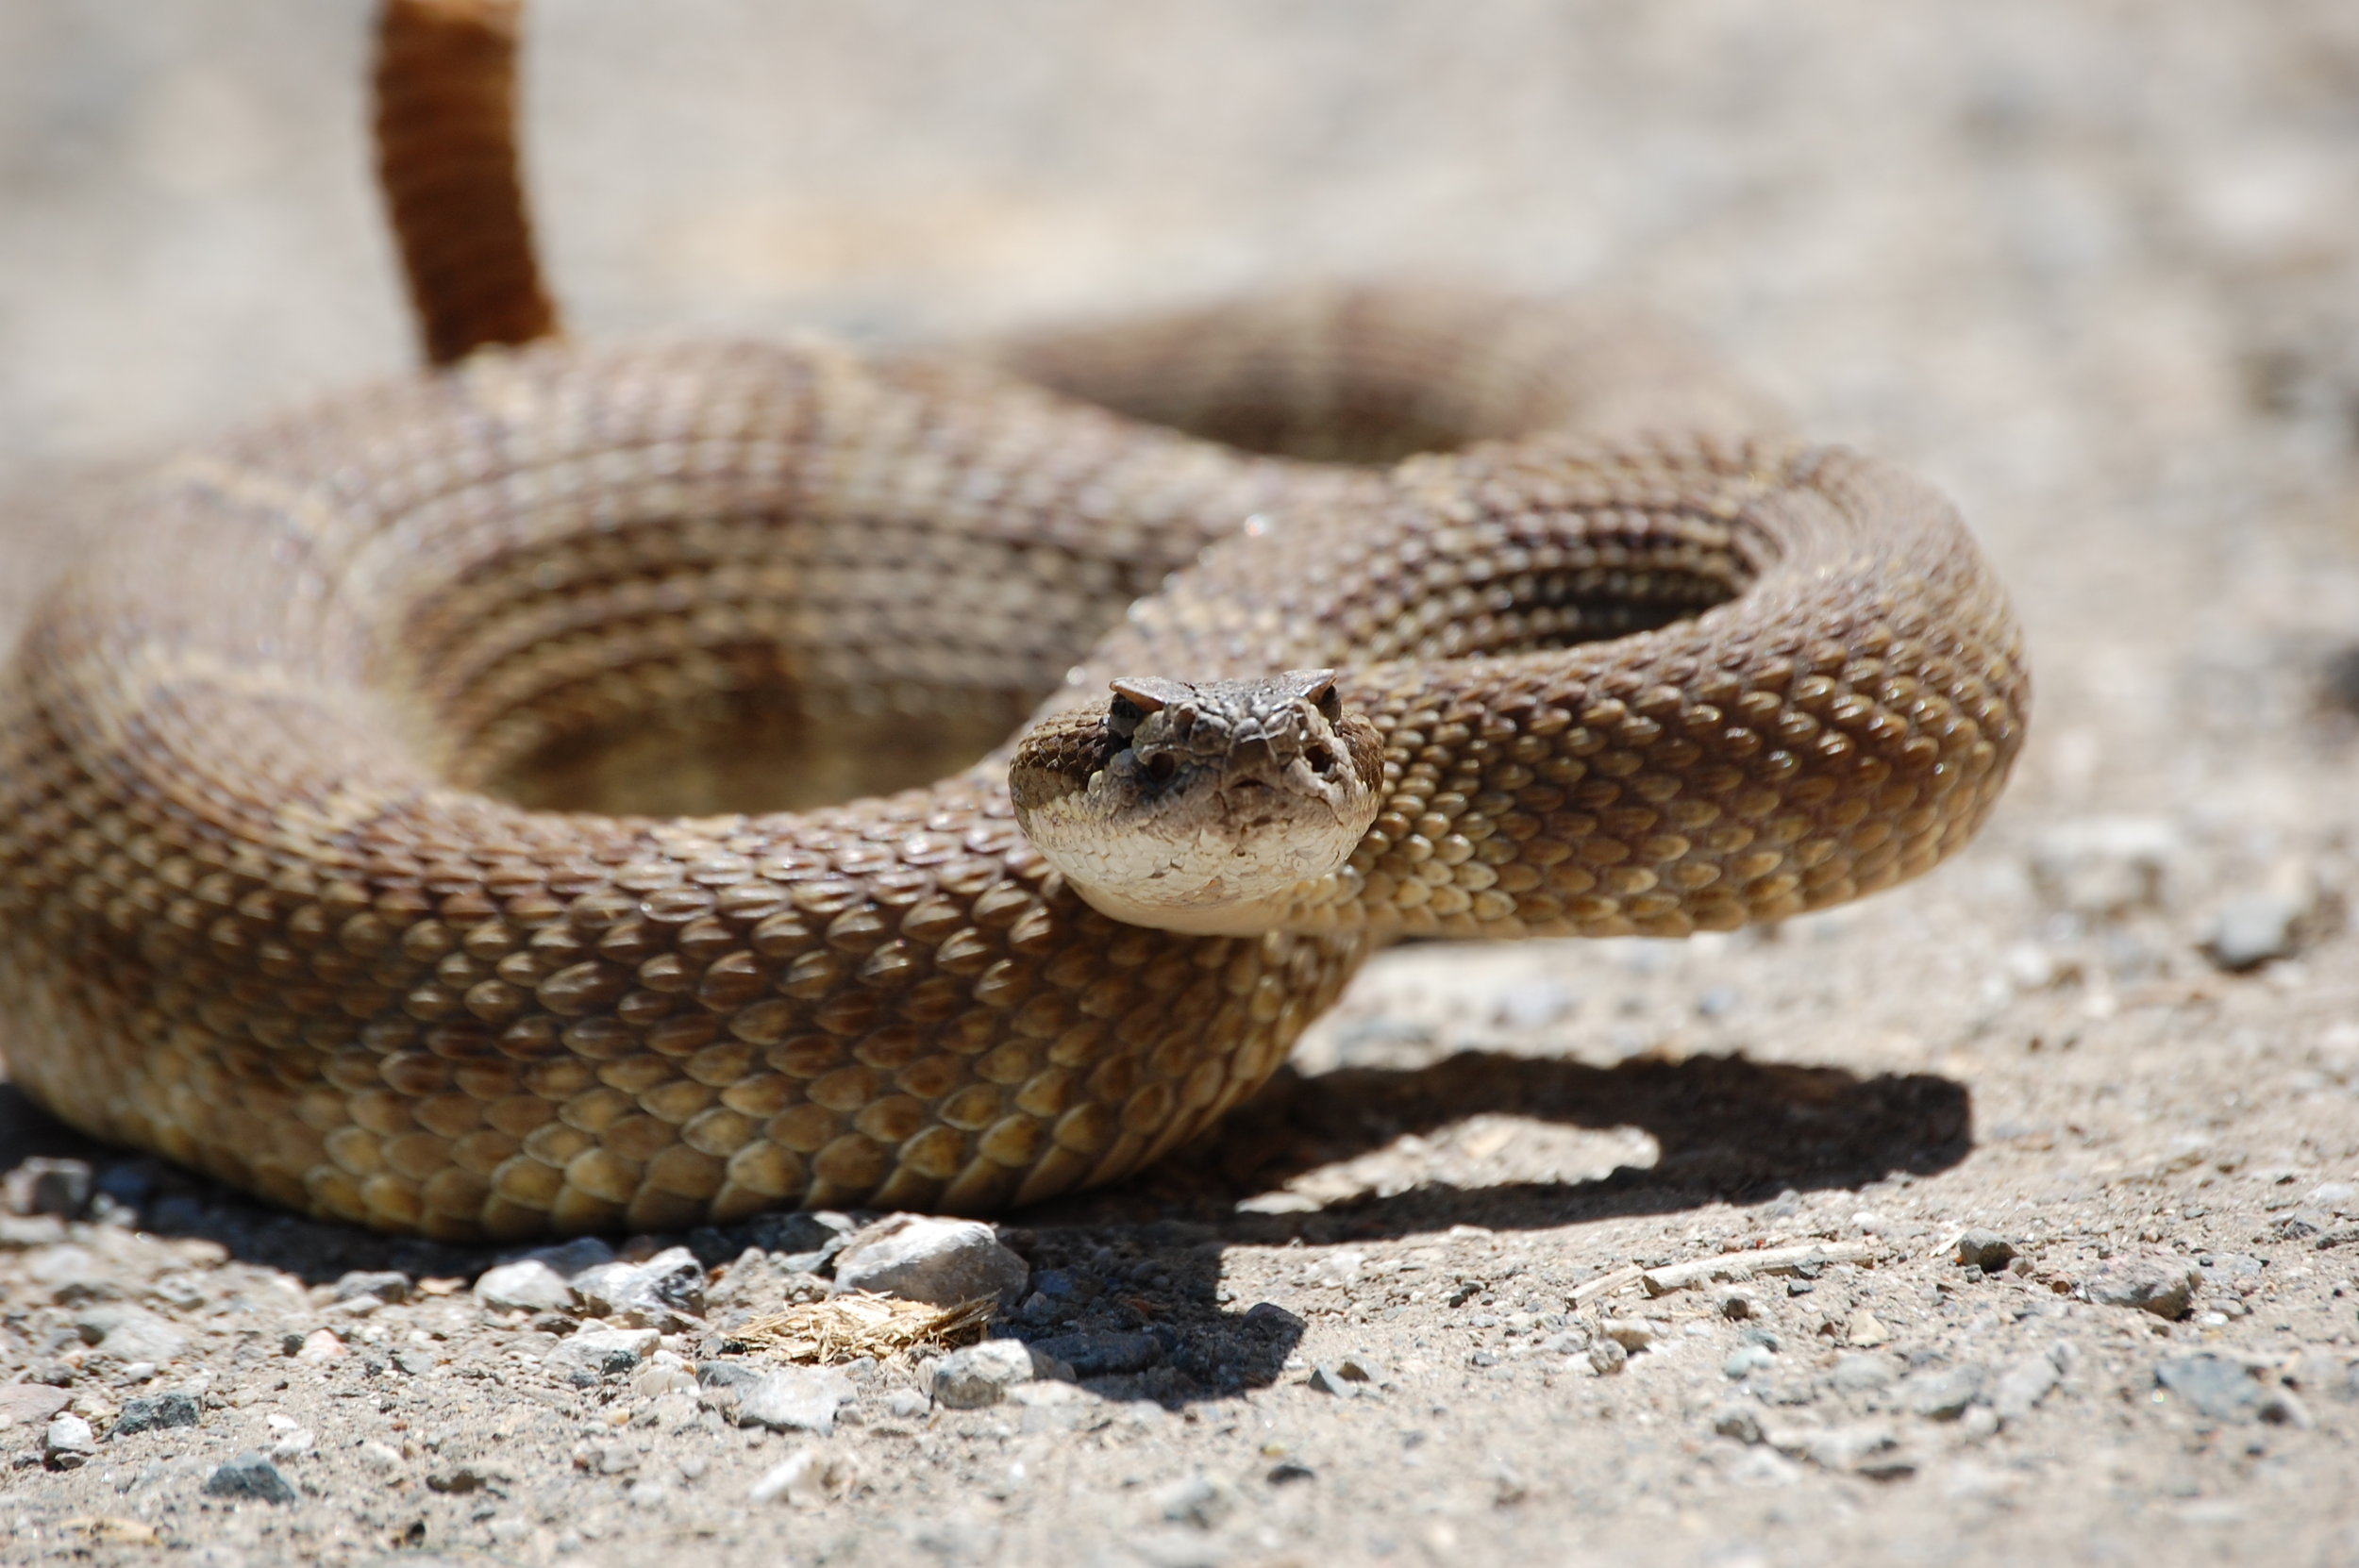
(2093, 268)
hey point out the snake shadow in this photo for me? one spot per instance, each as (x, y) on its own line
(1127, 1280)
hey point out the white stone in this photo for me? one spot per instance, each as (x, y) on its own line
(530, 1286)
(600, 1351)
(980, 1374)
(940, 1261)
(795, 1398)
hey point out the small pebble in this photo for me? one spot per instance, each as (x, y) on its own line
(385, 1285)
(980, 1374)
(1985, 1250)
(2217, 1388)
(805, 1478)
(595, 1352)
(2165, 1287)
(249, 1475)
(940, 1262)
(1865, 1329)
(1856, 1373)
(1197, 1500)
(1942, 1393)
(1746, 1360)
(151, 1412)
(44, 1186)
(1739, 1422)
(68, 1441)
(2258, 927)
(1633, 1334)
(530, 1286)
(795, 1398)
(2023, 1385)
(320, 1347)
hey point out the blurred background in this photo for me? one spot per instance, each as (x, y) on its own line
(2092, 266)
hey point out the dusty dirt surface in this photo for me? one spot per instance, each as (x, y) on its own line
(2093, 268)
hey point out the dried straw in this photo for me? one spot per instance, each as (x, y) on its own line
(860, 1323)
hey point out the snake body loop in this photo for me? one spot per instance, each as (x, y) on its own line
(285, 893)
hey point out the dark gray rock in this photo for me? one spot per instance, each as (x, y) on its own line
(249, 1477)
(1267, 1317)
(153, 1412)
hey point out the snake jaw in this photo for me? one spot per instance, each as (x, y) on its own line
(1198, 805)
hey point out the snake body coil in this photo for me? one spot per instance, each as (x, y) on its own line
(258, 913)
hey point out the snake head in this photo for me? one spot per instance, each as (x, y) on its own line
(1196, 806)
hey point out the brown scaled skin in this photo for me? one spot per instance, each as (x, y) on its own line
(253, 916)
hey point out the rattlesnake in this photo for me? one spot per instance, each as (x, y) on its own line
(1608, 665)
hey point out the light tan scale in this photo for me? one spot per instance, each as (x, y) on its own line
(304, 878)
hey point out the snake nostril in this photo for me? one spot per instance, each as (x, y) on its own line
(1320, 756)
(1160, 766)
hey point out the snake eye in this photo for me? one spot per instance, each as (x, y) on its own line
(1330, 704)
